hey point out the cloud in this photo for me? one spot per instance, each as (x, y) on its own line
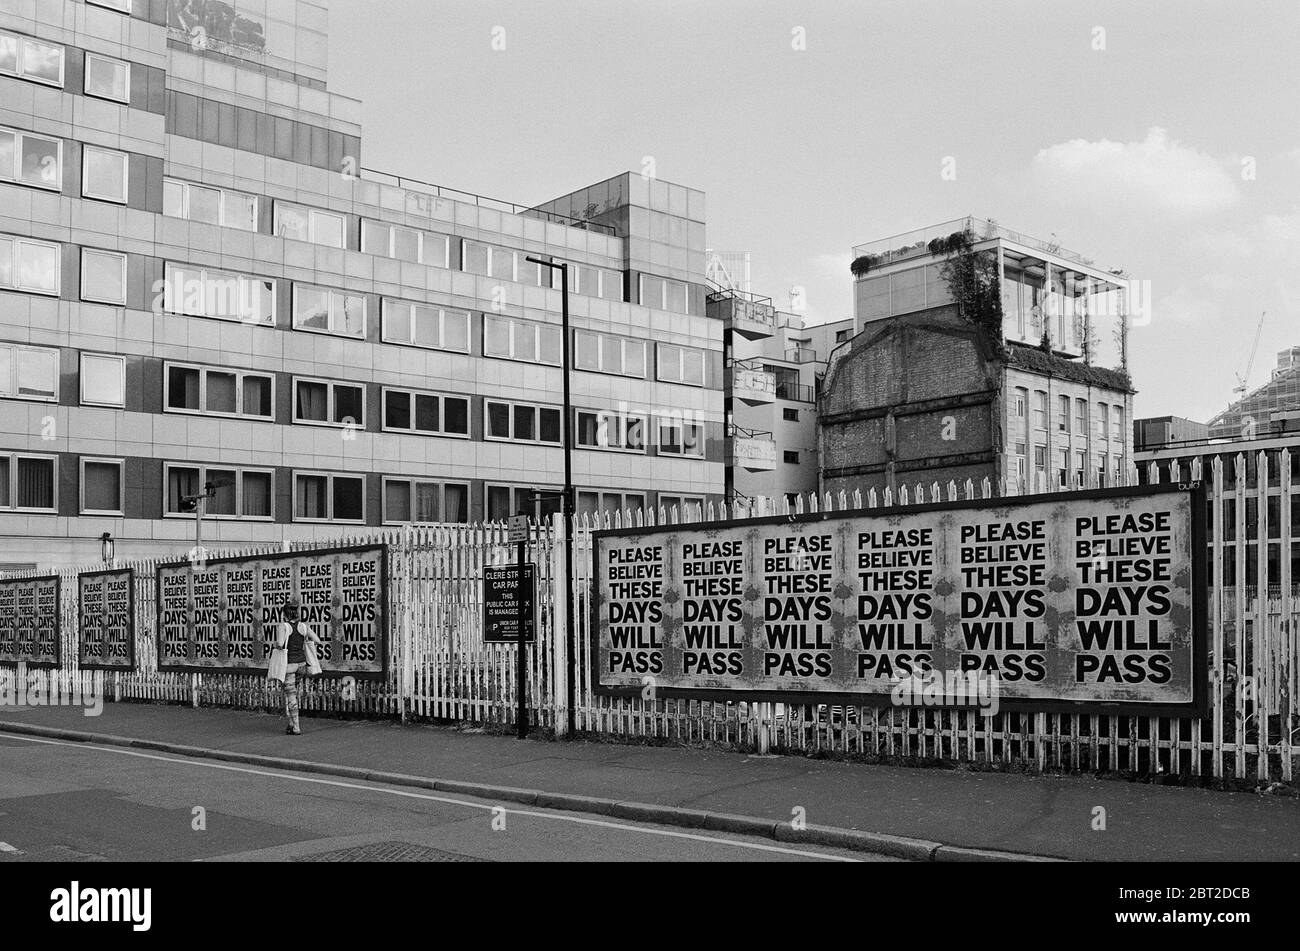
(1155, 172)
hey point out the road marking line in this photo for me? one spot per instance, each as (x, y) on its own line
(602, 823)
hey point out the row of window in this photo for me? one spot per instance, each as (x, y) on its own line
(32, 373)
(1065, 423)
(29, 484)
(1109, 469)
(37, 160)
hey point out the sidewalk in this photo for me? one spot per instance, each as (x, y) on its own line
(1035, 815)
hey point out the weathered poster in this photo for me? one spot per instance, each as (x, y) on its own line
(222, 614)
(1071, 599)
(29, 622)
(106, 620)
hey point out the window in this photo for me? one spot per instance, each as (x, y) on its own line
(27, 483)
(663, 294)
(597, 505)
(331, 312)
(1103, 414)
(309, 224)
(239, 493)
(1022, 402)
(590, 281)
(405, 244)
(329, 404)
(790, 415)
(1063, 471)
(502, 501)
(29, 159)
(610, 430)
(327, 497)
(213, 206)
(792, 456)
(103, 380)
(420, 500)
(202, 292)
(1081, 417)
(1101, 470)
(218, 391)
(522, 422)
(121, 6)
(606, 353)
(103, 276)
(488, 260)
(509, 338)
(406, 411)
(1117, 422)
(680, 365)
(29, 373)
(1080, 469)
(31, 59)
(687, 506)
(679, 438)
(424, 325)
(101, 486)
(1063, 414)
(108, 78)
(103, 174)
(1040, 409)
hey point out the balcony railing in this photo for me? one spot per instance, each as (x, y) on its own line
(752, 383)
(751, 449)
(799, 392)
(801, 355)
(911, 244)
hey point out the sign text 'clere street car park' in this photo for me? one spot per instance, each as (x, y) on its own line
(1093, 598)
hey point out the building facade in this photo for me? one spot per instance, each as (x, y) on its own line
(1037, 398)
(203, 288)
(1256, 410)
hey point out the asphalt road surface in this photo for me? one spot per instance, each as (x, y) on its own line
(64, 801)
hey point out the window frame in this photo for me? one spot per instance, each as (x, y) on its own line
(421, 235)
(644, 418)
(624, 344)
(663, 293)
(512, 438)
(20, 73)
(411, 482)
(19, 136)
(515, 322)
(331, 403)
(112, 5)
(85, 252)
(81, 378)
(312, 213)
(335, 296)
(205, 274)
(680, 424)
(15, 349)
(682, 350)
(442, 412)
(203, 469)
(222, 193)
(203, 370)
(85, 83)
(11, 459)
(86, 191)
(120, 462)
(443, 313)
(330, 477)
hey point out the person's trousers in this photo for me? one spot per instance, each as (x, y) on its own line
(292, 694)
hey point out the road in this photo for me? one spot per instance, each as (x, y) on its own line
(64, 801)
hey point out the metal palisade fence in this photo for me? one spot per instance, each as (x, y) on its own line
(440, 669)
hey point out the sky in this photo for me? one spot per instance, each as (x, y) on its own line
(1160, 137)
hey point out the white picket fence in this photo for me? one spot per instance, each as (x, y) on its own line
(440, 669)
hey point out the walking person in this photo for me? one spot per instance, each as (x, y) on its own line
(298, 642)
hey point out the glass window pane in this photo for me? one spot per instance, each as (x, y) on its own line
(106, 78)
(182, 388)
(349, 498)
(455, 331)
(397, 410)
(552, 344)
(348, 405)
(40, 162)
(327, 229)
(8, 53)
(204, 204)
(503, 264)
(397, 501)
(498, 503)
(37, 373)
(292, 222)
(256, 495)
(104, 174)
(6, 262)
(375, 238)
(397, 321)
(43, 61)
(181, 482)
(586, 351)
(635, 438)
(455, 503)
(496, 336)
(311, 307)
(670, 363)
(221, 392)
(476, 258)
(525, 417)
(102, 491)
(549, 425)
(406, 245)
(102, 380)
(498, 420)
(676, 297)
(7, 385)
(611, 354)
(257, 396)
(4, 469)
(426, 501)
(313, 401)
(652, 291)
(436, 247)
(35, 484)
(693, 367)
(455, 416)
(349, 315)
(426, 325)
(426, 413)
(240, 211)
(8, 155)
(103, 277)
(311, 492)
(634, 358)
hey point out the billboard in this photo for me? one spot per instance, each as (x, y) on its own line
(29, 622)
(106, 620)
(1070, 600)
(222, 614)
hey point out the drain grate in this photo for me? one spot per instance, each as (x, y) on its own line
(388, 852)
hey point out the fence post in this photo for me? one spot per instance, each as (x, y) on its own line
(564, 589)
(408, 597)
(194, 691)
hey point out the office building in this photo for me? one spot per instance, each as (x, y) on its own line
(1257, 410)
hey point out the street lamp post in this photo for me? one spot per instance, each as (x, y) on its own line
(567, 502)
(106, 549)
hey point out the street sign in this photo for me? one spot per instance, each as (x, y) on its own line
(518, 528)
(507, 595)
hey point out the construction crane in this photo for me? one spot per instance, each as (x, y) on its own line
(1240, 388)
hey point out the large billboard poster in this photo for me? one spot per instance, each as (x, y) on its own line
(106, 620)
(1092, 599)
(29, 621)
(222, 614)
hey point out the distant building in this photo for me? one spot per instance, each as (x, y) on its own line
(1159, 431)
(1255, 411)
(923, 394)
